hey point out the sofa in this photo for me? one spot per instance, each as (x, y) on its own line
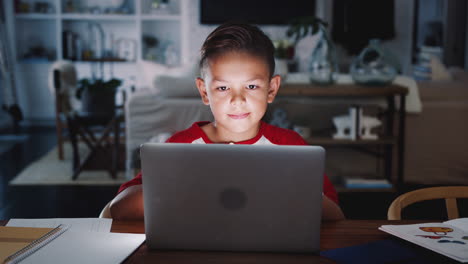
(436, 151)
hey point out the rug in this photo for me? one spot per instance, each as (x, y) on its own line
(49, 170)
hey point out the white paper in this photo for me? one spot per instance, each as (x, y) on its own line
(77, 224)
(438, 237)
(87, 247)
(461, 223)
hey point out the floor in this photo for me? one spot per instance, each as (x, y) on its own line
(43, 201)
(85, 201)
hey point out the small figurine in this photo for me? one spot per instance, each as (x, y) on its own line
(347, 125)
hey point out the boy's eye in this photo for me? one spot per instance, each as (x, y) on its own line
(252, 86)
(222, 88)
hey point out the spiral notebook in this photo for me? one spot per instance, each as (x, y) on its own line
(86, 240)
(16, 243)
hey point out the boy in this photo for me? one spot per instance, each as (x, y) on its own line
(237, 82)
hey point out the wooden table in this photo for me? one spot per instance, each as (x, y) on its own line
(333, 235)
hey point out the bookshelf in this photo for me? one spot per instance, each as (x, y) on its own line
(40, 36)
(389, 146)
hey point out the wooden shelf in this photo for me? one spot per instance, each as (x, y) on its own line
(341, 90)
(168, 17)
(342, 189)
(35, 16)
(99, 17)
(332, 141)
(392, 154)
(105, 60)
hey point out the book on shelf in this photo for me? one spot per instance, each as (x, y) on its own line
(449, 238)
(360, 183)
(17, 243)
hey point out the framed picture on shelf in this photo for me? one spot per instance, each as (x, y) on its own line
(126, 49)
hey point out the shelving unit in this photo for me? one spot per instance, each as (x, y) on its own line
(39, 37)
(391, 139)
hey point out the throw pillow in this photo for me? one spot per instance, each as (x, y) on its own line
(149, 71)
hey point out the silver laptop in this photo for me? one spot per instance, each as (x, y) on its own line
(232, 197)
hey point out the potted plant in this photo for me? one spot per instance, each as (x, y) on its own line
(302, 26)
(98, 96)
(284, 53)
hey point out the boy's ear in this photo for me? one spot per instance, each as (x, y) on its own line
(275, 83)
(202, 90)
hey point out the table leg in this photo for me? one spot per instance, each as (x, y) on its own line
(389, 133)
(401, 142)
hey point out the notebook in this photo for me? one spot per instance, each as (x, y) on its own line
(232, 197)
(85, 240)
(17, 243)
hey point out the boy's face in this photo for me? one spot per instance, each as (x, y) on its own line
(238, 88)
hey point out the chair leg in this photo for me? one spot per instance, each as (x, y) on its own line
(74, 142)
(59, 141)
(115, 154)
(452, 208)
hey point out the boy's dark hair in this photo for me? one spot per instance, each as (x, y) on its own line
(237, 36)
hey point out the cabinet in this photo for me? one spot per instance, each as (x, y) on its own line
(91, 30)
(390, 141)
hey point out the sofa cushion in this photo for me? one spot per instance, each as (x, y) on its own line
(149, 71)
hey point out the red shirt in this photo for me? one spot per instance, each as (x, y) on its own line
(267, 134)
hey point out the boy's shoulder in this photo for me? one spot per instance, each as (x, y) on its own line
(188, 135)
(282, 136)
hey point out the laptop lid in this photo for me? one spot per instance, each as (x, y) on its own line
(232, 197)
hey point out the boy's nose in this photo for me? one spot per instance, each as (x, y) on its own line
(237, 98)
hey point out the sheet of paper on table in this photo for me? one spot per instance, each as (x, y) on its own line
(83, 224)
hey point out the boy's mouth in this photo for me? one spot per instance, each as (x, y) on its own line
(239, 116)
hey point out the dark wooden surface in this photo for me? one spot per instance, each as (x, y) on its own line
(333, 235)
(341, 90)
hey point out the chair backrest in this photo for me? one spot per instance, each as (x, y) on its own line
(105, 213)
(449, 193)
(62, 83)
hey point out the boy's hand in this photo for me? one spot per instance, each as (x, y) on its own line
(128, 205)
(330, 210)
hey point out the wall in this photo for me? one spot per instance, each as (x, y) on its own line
(37, 101)
(401, 45)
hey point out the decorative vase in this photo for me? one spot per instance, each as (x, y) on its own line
(374, 65)
(323, 64)
(281, 67)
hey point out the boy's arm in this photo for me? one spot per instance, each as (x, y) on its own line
(128, 204)
(330, 210)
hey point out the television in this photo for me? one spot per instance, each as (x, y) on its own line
(260, 12)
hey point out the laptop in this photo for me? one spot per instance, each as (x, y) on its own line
(221, 197)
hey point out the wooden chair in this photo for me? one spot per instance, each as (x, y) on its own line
(106, 213)
(449, 193)
(62, 83)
